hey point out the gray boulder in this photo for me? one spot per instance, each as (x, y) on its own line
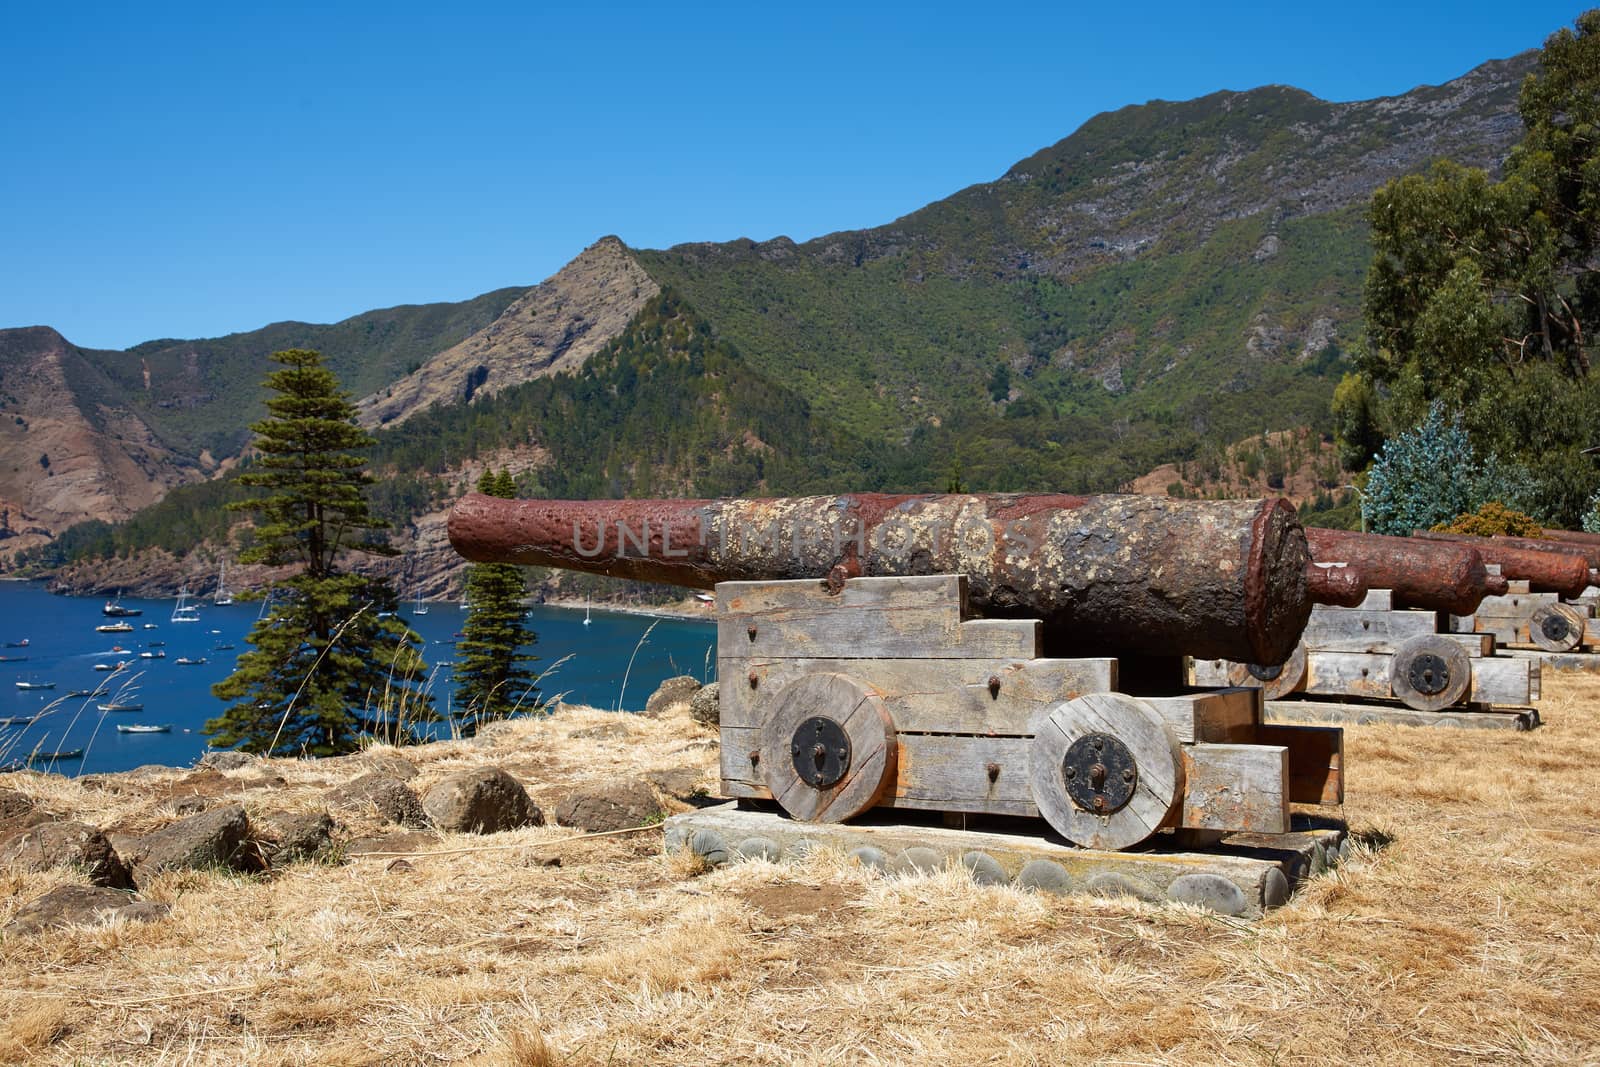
(227, 759)
(397, 767)
(673, 691)
(299, 836)
(703, 706)
(482, 800)
(216, 838)
(393, 800)
(14, 806)
(67, 844)
(614, 805)
(76, 905)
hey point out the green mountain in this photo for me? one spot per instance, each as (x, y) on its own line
(1170, 278)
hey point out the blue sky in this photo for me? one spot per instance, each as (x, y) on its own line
(189, 171)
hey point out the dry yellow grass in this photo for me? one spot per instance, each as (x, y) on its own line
(1471, 934)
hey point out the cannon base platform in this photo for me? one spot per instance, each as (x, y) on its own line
(1556, 661)
(1464, 717)
(1241, 874)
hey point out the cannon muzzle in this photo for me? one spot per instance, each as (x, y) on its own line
(1121, 574)
(1548, 568)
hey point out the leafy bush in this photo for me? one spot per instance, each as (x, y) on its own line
(1493, 517)
(1430, 474)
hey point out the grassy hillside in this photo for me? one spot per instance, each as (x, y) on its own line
(203, 394)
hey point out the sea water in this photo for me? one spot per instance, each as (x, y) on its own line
(63, 648)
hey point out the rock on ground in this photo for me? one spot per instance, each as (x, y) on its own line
(227, 760)
(394, 800)
(673, 691)
(482, 800)
(299, 836)
(14, 806)
(71, 905)
(217, 838)
(616, 805)
(67, 844)
(704, 708)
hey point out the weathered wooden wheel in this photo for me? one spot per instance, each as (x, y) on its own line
(828, 748)
(1557, 627)
(1277, 681)
(1430, 672)
(1105, 771)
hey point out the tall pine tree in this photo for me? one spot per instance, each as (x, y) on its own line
(491, 674)
(330, 662)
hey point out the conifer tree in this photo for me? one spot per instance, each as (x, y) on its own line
(492, 678)
(330, 661)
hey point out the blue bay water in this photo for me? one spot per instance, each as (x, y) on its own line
(63, 648)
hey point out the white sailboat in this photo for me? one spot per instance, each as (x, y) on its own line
(185, 611)
(223, 597)
(586, 613)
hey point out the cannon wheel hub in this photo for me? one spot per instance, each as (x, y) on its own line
(1430, 672)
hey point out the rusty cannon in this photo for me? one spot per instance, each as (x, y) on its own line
(1435, 575)
(1108, 574)
(888, 653)
(1547, 566)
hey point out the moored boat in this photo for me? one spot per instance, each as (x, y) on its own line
(157, 654)
(114, 628)
(117, 666)
(143, 728)
(119, 706)
(17, 720)
(113, 609)
(185, 661)
(185, 611)
(29, 686)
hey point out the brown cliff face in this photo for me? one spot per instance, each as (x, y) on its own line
(65, 457)
(556, 326)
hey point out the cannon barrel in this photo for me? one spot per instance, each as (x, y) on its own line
(1422, 574)
(1589, 551)
(1220, 579)
(1547, 570)
(1577, 537)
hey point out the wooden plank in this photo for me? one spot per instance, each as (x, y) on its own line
(838, 630)
(1514, 586)
(1316, 761)
(1476, 645)
(1515, 606)
(1222, 715)
(1348, 674)
(1332, 629)
(1503, 680)
(1556, 661)
(1378, 600)
(946, 773)
(1208, 673)
(1285, 712)
(810, 594)
(927, 695)
(1236, 787)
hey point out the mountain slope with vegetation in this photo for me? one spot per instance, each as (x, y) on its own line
(1169, 280)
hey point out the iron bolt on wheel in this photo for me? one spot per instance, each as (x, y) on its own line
(1105, 771)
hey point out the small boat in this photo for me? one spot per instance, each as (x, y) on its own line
(150, 626)
(13, 659)
(29, 686)
(117, 666)
(113, 609)
(17, 644)
(223, 597)
(586, 614)
(102, 691)
(119, 706)
(155, 644)
(157, 654)
(49, 757)
(143, 728)
(17, 720)
(114, 628)
(221, 647)
(185, 661)
(185, 611)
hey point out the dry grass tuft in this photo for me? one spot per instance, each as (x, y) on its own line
(1463, 929)
(33, 1027)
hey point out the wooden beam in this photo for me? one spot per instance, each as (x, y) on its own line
(1236, 787)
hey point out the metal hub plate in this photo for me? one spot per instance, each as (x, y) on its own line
(1555, 626)
(1264, 674)
(1100, 773)
(1429, 674)
(821, 752)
